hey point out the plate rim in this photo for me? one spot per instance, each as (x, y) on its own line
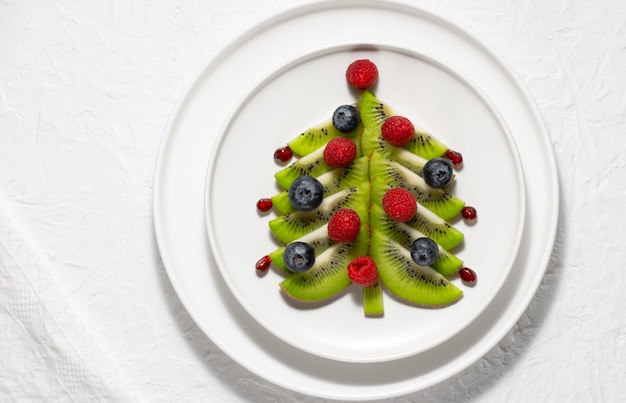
(424, 56)
(543, 137)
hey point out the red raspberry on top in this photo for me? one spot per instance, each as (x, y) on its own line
(399, 204)
(363, 271)
(344, 226)
(339, 152)
(362, 74)
(397, 130)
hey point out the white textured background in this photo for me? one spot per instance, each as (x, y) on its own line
(86, 89)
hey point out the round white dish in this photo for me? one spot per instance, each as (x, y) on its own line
(305, 92)
(183, 160)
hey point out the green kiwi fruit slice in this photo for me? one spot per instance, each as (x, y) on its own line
(332, 181)
(312, 164)
(436, 228)
(329, 274)
(325, 279)
(389, 174)
(446, 264)
(400, 155)
(318, 239)
(282, 204)
(373, 305)
(315, 137)
(292, 226)
(401, 275)
(374, 113)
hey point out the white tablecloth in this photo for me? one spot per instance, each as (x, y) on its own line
(87, 312)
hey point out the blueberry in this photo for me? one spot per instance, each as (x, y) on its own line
(346, 118)
(424, 251)
(437, 173)
(306, 193)
(299, 256)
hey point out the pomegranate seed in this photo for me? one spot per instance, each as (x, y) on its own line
(264, 204)
(283, 154)
(264, 263)
(469, 213)
(455, 158)
(467, 275)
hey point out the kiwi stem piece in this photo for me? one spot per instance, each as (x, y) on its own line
(373, 305)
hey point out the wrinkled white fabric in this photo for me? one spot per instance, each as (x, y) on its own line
(46, 353)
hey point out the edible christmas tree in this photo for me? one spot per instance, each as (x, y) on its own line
(367, 202)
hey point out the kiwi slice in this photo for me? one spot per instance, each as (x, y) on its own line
(332, 181)
(374, 113)
(389, 174)
(317, 136)
(373, 305)
(421, 285)
(446, 264)
(281, 202)
(312, 164)
(400, 155)
(325, 279)
(329, 274)
(436, 228)
(292, 226)
(318, 240)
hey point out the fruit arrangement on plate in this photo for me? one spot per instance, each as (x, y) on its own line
(368, 201)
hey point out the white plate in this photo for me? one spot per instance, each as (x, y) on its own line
(184, 157)
(305, 92)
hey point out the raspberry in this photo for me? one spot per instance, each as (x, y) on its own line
(399, 204)
(363, 271)
(362, 74)
(339, 152)
(398, 130)
(344, 226)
